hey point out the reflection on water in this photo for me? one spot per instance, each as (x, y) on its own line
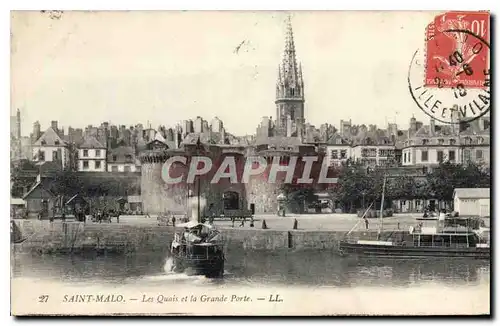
(318, 268)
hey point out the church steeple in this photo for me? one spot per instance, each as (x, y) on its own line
(289, 87)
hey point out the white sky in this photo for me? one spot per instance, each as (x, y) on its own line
(131, 67)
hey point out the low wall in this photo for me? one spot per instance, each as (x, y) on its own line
(76, 236)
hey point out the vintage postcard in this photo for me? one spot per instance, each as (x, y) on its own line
(262, 163)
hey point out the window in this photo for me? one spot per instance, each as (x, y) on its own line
(126, 168)
(452, 156)
(128, 158)
(114, 158)
(404, 158)
(97, 153)
(479, 154)
(440, 156)
(43, 142)
(425, 141)
(333, 154)
(85, 164)
(453, 141)
(97, 164)
(480, 140)
(486, 124)
(41, 156)
(441, 141)
(466, 155)
(425, 156)
(468, 141)
(57, 142)
(343, 153)
(114, 168)
(85, 153)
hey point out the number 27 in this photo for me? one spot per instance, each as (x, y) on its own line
(43, 298)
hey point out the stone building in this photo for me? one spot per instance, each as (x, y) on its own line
(457, 143)
(281, 141)
(91, 155)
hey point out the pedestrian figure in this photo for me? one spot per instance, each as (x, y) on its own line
(63, 217)
(173, 221)
(118, 217)
(366, 222)
(264, 225)
(295, 224)
(398, 225)
(232, 221)
(243, 220)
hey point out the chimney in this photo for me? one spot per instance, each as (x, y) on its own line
(36, 131)
(18, 123)
(433, 126)
(53, 124)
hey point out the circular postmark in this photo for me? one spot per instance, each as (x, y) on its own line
(452, 84)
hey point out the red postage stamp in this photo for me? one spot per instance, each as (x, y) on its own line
(455, 54)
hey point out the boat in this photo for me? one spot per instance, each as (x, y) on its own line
(444, 237)
(198, 250)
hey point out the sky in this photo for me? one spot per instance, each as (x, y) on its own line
(164, 67)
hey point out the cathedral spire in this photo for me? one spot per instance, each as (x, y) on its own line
(289, 89)
(289, 64)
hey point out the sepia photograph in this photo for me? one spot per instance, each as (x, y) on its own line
(250, 163)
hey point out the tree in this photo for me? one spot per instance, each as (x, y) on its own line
(447, 176)
(358, 185)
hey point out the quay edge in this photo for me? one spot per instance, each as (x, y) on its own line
(75, 237)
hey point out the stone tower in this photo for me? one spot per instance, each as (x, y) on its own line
(289, 90)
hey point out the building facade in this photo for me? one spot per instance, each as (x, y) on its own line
(123, 159)
(50, 147)
(91, 156)
(461, 143)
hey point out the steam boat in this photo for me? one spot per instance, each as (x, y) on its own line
(425, 241)
(440, 237)
(198, 250)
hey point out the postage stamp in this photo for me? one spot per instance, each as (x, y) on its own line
(456, 48)
(449, 79)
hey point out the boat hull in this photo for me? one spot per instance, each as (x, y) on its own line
(346, 248)
(212, 267)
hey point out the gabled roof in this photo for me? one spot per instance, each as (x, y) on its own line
(92, 142)
(472, 193)
(159, 138)
(51, 138)
(121, 154)
(75, 197)
(38, 184)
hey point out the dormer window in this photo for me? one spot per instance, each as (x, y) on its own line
(441, 141)
(425, 141)
(56, 142)
(480, 140)
(453, 141)
(43, 142)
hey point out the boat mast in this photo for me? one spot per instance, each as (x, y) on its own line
(381, 226)
(199, 199)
